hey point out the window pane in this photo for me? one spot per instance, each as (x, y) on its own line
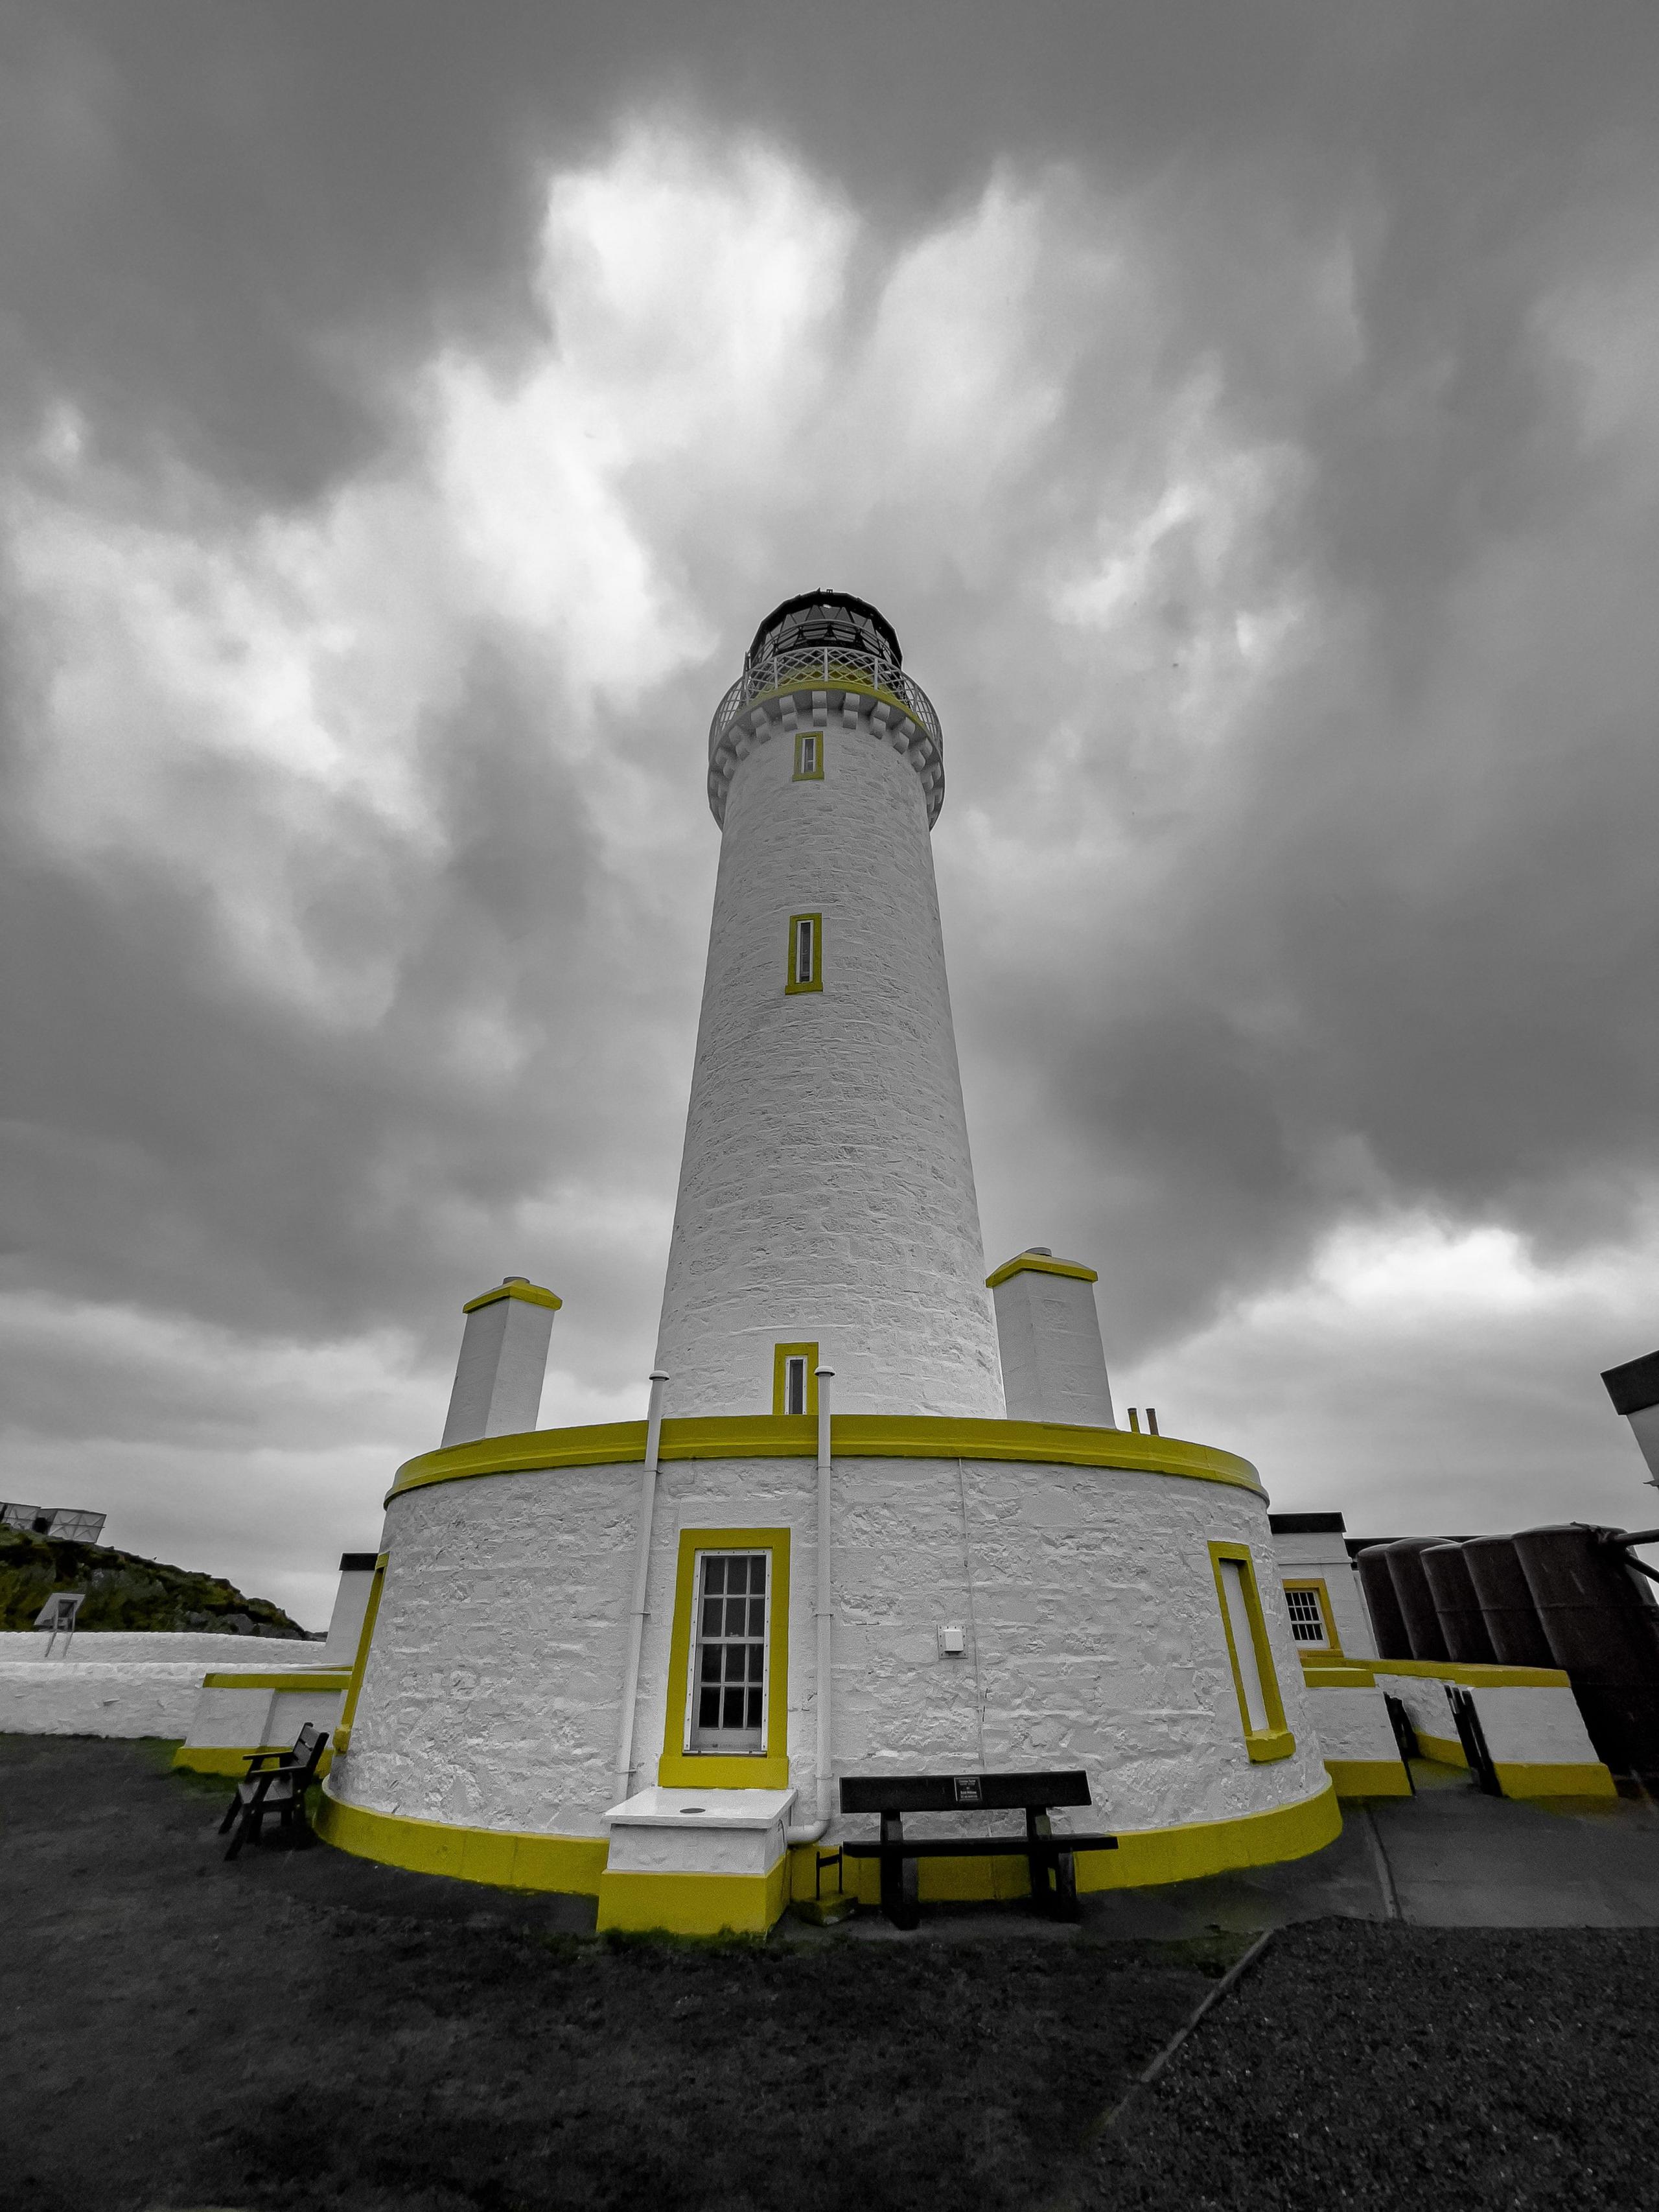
(757, 1570)
(754, 1708)
(736, 1575)
(733, 1715)
(711, 1616)
(708, 1707)
(758, 1616)
(757, 1662)
(711, 1662)
(714, 1575)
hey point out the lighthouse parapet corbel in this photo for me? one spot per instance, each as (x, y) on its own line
(820, 687)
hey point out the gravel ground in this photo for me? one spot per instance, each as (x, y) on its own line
(1363, 2065)
(303, 2029)
(306, 2030)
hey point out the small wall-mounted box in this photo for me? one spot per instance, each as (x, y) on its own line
(952, 1642)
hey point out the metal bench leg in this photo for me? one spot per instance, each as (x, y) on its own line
(899, 1882)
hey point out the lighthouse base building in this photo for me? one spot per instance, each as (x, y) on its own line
(878, 1520)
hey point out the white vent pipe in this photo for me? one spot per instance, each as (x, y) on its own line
(641, 1574)
(825, 1621)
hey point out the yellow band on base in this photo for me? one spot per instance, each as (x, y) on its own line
(1586, 1779)
(505, 1857)
(693, 1903)
(233, 1758)
(1369, 1777)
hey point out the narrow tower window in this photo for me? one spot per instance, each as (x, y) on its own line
(794, 1386)
(805, 952)
(729, 1692)
(1261, 1708)
(809, 757)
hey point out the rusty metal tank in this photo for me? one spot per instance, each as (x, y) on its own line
(1604, 1630)
(1423, 1633)
(1506, 1598)
(1457, 1604)
(1388, 1623)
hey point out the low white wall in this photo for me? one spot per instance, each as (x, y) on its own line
(1525, 1725)
(1353, 1724)
(247, 1719)
(45, 1697)
(202, 1648)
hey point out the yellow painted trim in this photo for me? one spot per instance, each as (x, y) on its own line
(1145, 1858)
(679, 1768)
(1332, 1647)
(1266, 1745)
(1369, 1777)
(365, 1636)
(1587, 1778)
(1274, 1741)
(1035, 1263)
(233, 1758)
(809, 1353)
(1475, 1673)
(1340, 1674)
(1444, 1750)
(505, 1857)
(695, 1903)
(336, 1678)
(816, 980)
(855, 1436)
(531, 1293)
(809, 775)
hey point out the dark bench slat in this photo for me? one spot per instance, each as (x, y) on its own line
(982, 1847)
(942, 1793)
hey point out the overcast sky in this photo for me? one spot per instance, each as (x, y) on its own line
(1247, 415)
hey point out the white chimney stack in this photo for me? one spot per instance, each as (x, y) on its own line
(498, 1375)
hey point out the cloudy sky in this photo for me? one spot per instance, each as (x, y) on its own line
(1247, 415)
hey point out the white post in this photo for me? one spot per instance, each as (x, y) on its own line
(825, 1376)
(641, 1574)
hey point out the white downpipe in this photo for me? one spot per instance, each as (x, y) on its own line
(641, 1574)
(822, 1614)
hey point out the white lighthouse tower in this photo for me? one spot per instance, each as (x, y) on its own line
(639, 1661)
(826, 1207)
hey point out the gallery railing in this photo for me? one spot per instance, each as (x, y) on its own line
(818, 667)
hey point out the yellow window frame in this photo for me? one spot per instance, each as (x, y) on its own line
(1275, 1740)
(814, 775)
(816, 980)
(679, 1767)
(781, 1354)
(1331, 1646)
(360, 1662)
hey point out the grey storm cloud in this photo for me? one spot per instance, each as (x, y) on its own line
(1243, 413)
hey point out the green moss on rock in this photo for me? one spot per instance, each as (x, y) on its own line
(125, 1592)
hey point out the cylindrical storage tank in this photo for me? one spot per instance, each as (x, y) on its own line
(1423, 1633)
(1505, 1597)
(1377, 1585)
(1603, 1633)
(1457, 1602)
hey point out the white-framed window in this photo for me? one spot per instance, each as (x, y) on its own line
(728, 1675)
(794, 1384)
(1308, 1624)
(805, 949)
(809, 753)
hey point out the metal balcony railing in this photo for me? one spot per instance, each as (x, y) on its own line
(824, 667)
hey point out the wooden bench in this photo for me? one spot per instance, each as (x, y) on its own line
(1054, 1871)
(277, 1783)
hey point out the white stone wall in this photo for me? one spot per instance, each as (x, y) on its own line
(202, 1649)
(826, 1193)
(1093, 1632)
(1353, 1724)
(1324, 1557)
(126, 1698)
